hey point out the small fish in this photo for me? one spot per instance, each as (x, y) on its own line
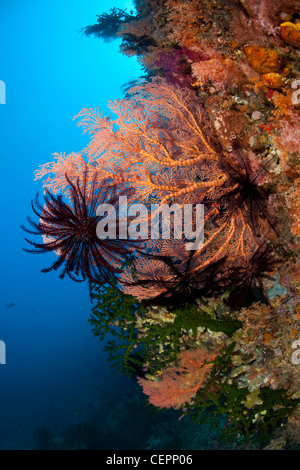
(10, 306)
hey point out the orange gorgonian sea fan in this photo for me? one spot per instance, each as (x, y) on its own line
(153, 144)
(177, 384)
(160, 143)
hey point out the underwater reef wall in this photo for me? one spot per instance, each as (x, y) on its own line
(215, 120)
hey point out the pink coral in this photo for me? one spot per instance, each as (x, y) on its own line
(222, 73)
(289, 133)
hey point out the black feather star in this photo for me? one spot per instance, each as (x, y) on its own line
(70, 231)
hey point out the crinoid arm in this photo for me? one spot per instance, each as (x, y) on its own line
(70, 230)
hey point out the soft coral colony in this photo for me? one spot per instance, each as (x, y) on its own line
(215, 121)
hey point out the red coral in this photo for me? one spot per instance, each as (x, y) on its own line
(179, 383)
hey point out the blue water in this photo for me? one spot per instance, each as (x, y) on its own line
(55, 371)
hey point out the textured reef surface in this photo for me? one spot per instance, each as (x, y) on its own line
(215, 120)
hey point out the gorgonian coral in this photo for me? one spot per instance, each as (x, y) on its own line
(175, 278)
(179, 383)
(162, 146)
